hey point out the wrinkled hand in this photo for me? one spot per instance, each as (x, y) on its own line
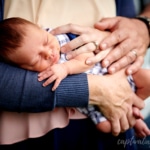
(115, 99)
(83, 43)
(126, 35)
(56, 73)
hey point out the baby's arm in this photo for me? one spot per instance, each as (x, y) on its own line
(142, 82)
(58, 72)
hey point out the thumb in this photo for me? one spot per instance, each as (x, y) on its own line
(106, 23)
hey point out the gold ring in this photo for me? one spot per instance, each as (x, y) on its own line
(96, 44)
(134, 53)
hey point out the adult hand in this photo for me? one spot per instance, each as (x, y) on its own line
(115, 99)
(87, 41)
(130, 39)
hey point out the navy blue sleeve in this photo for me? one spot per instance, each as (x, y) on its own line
(125, 8)
(1, 9)
(20, 91)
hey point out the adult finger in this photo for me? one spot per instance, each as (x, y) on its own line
(114, 38)
(80, 44)
(106, 23)
(98, 57)
(124, 123)
(89, 47)
(134, 67)
(69, 28)
(126, 60)
(131, 118)
(115, 126)
(119, 51)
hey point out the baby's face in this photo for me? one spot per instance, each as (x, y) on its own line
(39, 50)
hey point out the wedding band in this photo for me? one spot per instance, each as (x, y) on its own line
(96, 44)
(134, 53)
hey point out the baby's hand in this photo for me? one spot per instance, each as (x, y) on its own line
(141, 129)
(56, 73)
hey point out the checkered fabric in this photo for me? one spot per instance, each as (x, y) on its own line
(91, 110)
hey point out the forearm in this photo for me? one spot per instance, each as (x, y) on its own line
(20, 91)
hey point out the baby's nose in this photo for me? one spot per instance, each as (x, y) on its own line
(49, 55)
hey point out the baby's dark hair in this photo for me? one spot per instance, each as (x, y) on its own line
(12, 32)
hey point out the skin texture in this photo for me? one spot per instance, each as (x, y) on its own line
(124, 42)
(141, 129)
(116, 106)
(121, 40)
(119, 110)
(36, 53)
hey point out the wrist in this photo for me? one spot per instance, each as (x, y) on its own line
(94, 89)
(146, 21)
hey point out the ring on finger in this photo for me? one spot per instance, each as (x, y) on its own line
(134, 53)
(96, 44)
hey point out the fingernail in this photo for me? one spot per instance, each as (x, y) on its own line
(44, 84)
(106, 63)
(129, 72)
(112, 70)
(68, 56)
(88, 62)
(63, 49)
(104, 45)
(39, 79)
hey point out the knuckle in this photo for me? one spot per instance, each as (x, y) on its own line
(118, 37)
(84, 38)
(70, 25)
(112, 57)
(75, 53)
(130, 58)
(122, 48)
(117, 66)
(90, 47)
(125, 128)
(115, 132)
